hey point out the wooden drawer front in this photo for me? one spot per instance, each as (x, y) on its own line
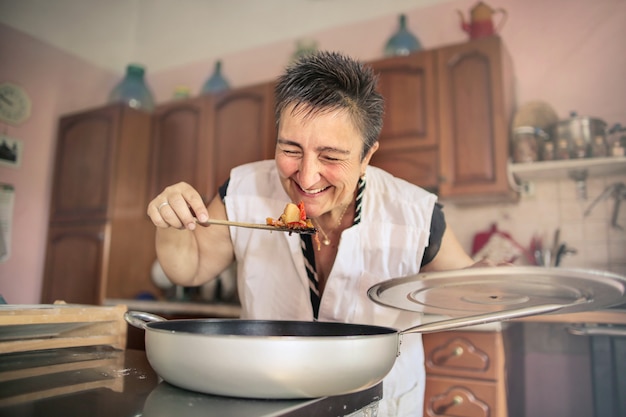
(460, 398)
(465, 354)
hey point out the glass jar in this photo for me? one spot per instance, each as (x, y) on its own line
(547, 150)
(133, 90)
(526, 142)
(599, 147)
(562, 149)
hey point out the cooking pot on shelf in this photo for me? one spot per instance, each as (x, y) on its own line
(579, 135)
(306, 359)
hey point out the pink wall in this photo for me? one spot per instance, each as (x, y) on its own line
(57, 83)
(566, 52)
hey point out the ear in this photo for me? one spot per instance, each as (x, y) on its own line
(367, 158)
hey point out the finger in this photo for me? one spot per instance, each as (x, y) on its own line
(169, 217)
(197, 206)
(154, 211)
(180, 206)
(174, 207)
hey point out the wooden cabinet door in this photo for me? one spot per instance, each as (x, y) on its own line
(475, 109)
(84, 158)
(181, 148)
(99, 196)
(76, 263)
(200, 140)
(101, 164)
(241, 129)
(409, 138)
(89, 262)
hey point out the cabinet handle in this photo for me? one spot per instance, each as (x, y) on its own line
(455, 353)
(456, 400)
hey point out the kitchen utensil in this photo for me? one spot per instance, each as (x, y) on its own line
(304, 230)
(579, 133)
(555, 246)
(281, 359)
(484, 290)
(481, 21)
(561, 252)
(299, 359)
(616, 191)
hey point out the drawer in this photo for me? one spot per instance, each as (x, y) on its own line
(466, 354)
(447, 396)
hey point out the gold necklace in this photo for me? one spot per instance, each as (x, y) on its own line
(326, 241)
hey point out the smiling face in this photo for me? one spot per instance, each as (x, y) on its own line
(319, 159)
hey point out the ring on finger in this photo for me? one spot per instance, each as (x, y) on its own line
(163, 204)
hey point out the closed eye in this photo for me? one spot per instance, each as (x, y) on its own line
(291, 152)
(331, 159)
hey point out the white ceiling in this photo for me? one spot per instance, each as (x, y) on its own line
(167, 33)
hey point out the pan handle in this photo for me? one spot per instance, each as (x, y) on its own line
(455, 323)
(139, 319)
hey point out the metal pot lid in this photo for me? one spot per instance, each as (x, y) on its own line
(474, 291)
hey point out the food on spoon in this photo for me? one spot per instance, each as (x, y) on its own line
(293, 217)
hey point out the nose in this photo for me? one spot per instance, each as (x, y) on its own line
(309, 172)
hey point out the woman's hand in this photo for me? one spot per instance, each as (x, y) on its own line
(178, 206)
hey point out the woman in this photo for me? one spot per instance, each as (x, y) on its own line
(372, 225)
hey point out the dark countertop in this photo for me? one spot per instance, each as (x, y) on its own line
(101, 381)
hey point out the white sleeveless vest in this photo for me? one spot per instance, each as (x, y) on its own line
(389, 242)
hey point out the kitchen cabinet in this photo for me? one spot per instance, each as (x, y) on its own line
(97, 240)
(475, 111)
(243, 129)
(448, 114)
(465, 374)
(179, 145)
(199, 140)
(409, 138)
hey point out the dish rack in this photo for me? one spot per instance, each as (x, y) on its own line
(60, 325)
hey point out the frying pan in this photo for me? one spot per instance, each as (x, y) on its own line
(302, 359)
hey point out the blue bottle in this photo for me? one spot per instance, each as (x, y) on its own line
(132, 90)
(402, 42)
(216, 81)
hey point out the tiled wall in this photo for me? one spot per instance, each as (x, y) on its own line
(556, 204)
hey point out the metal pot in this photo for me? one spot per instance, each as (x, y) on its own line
(576, 136)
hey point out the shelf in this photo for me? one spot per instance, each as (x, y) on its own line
(552, 170)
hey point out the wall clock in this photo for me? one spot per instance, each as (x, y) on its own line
(14, 103)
